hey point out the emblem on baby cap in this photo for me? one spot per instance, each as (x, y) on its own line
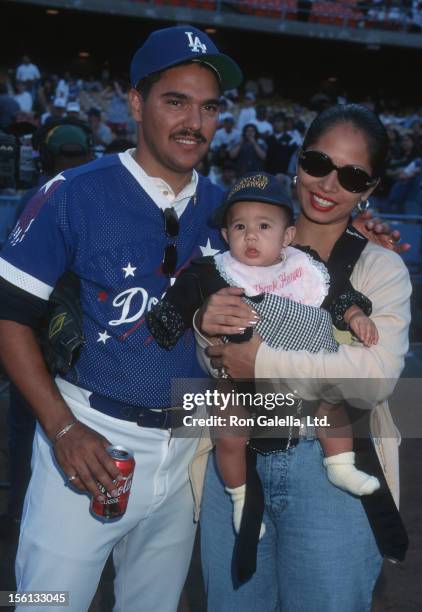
(259, 181)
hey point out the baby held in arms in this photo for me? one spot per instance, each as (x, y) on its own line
(256, 221)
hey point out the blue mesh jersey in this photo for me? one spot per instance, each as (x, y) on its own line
(98, 221)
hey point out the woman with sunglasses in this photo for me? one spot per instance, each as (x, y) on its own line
(323, 548)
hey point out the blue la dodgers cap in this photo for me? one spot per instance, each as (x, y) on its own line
(254, 187)
(172, 46)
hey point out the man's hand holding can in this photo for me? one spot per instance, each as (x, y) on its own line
(82, 455)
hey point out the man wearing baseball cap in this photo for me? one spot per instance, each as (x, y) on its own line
(125, 225)
(58, 110)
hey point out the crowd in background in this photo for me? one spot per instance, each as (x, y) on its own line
(258, 129)
(402, 12)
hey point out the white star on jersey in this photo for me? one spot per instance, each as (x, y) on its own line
(129, 270)
(103, 337)
(58, 177)
(208, 250)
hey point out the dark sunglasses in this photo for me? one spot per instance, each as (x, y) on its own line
(171, 229)
(351, 178)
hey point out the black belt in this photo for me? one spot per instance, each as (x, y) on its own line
(170, 418)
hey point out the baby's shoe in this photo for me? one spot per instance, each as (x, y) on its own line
(341, 472)
(238, 495)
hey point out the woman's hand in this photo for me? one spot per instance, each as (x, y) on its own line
(237, 360)
(380, 233)
(225, 313)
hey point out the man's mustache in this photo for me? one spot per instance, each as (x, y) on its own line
(196, 135)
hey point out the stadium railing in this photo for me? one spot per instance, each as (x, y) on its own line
(342, 13)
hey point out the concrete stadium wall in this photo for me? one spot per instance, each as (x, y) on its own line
(226, 19)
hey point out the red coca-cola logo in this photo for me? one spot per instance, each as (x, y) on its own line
(125, 485)
(123, 489)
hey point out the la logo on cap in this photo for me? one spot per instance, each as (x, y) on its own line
(195, 44)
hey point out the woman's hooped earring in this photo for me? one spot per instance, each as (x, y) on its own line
(294, 180)
(363, 205)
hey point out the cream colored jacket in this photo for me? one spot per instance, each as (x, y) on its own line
(382, 276)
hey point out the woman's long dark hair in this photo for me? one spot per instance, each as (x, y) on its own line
(247, 126)
(361, 118)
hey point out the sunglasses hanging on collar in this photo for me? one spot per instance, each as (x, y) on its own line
(171, 229)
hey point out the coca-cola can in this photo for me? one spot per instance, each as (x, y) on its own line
(114, 507)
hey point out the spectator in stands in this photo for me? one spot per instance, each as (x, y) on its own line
(23, 97)
(117, 113)
(232, 95)
(92, 84)
(62, 89)
(248, 113)
(398, 15)
(45, 93)
(250, 153)
(227, 177)
(281, 146)
(75, 87)
(224, 107)
(69, 88)
(264, 127)
(102, 134)
(405, 172)
(28, 73)
(298, 120)
(292, 129)
(227, 136)
(417, 134)
(393, 113)
(377, 10)
(412, 204)
(225, 139)
(379, 198)
(395, 141)
(8, 107)
(416, 16)
(73, 110)
(58, 110)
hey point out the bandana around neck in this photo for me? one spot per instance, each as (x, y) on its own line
(299, 277)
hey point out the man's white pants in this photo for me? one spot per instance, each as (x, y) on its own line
(63, 548)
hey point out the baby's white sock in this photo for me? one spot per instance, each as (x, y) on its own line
(341, 471)
(238, 495)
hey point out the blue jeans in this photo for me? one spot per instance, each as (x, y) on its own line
(318, 553)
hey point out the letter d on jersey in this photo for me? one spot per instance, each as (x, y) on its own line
(124, 301)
